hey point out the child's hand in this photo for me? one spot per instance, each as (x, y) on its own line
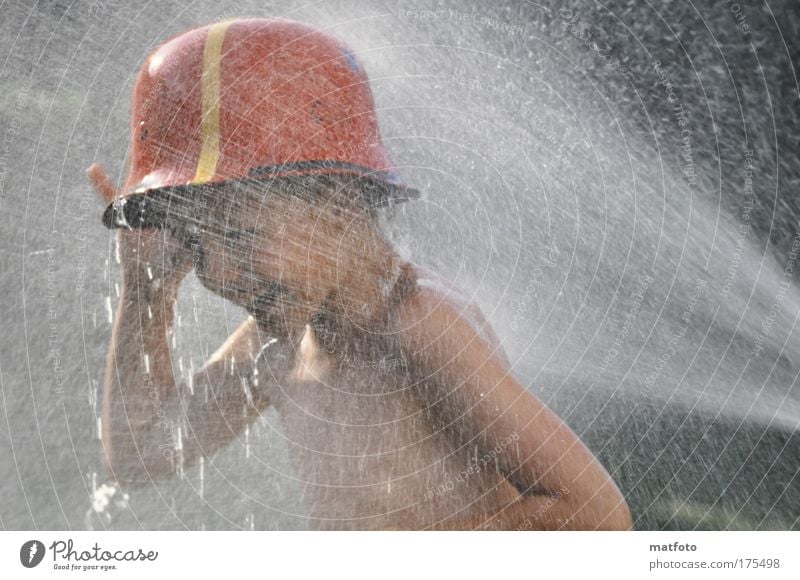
(153, 257)
(150, 258)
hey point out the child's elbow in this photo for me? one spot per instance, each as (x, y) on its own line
(610, 511)
(618, 518)
(603, 509)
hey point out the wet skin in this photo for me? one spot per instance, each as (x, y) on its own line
(397, 402)
(368, 450)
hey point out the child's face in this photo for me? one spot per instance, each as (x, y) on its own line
(273, 251)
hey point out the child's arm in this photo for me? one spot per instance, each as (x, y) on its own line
(153, 426)
(562, 484)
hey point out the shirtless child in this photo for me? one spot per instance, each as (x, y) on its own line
(400, 409)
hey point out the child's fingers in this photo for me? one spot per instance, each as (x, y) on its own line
(102, 184)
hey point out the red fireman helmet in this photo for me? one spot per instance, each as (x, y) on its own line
(251, 99)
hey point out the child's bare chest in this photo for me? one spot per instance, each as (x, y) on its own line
(351, 403)
(365, 449)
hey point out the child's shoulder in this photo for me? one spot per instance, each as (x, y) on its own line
(432, 298)
(426, 290)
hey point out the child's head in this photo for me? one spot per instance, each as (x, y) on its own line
(274, 122)
(300, 240)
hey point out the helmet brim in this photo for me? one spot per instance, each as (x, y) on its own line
(154, 208)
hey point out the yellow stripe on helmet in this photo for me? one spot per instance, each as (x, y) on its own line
(209, 122)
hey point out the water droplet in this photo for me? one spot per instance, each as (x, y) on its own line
(248, 395)
(202, 475)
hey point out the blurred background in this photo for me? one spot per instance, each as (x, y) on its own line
(616, 185)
